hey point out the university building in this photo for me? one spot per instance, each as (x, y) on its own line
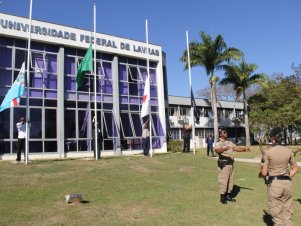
(61, 116)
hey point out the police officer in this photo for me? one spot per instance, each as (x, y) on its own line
(225, 150)
(278, 176)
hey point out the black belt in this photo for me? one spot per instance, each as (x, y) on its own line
(279, 178)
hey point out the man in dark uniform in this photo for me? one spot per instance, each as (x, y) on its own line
(186, 131)
(275, 170)
(225, 150)
(99, 140)
(209, 142)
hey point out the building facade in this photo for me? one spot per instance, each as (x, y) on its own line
(60, 115)
(230, 115)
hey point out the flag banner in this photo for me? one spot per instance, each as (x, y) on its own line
(196, 111)
(85, 66)
(12, 98)
(146, 99)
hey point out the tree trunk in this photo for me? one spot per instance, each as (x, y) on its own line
(214, 108)
(246, 115)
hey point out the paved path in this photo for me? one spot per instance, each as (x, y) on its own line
(256, 160)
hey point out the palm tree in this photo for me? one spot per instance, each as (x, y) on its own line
(241, 77)
(211, 54)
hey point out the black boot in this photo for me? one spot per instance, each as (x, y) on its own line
(229, 198)
(223, 199)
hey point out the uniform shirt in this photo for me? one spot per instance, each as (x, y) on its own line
(226, 143)
(145, 131)
(21, 130)
(278, 159)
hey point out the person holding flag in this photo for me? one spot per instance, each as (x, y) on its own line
(145, 114)
(21, 138)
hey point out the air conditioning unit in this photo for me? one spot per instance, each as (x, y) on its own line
(180, 117)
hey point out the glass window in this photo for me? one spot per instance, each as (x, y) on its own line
(4, 124)
(36, 123)
(50, 146)
(5, 77)
(137, 124)
(20, 58)
(110, 130)
(4, 147)
(126, 125)
(70, 124)
(35, 146)
(84, 123)
(5, 57)
(50, 123)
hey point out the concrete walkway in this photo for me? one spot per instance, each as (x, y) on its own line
(255, 160)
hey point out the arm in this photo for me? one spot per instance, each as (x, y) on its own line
(241, 149)
(221, 149)
(264, 168)
(294, 169)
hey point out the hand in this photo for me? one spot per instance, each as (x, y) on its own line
(247, 149)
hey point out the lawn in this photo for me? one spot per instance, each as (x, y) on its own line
(168, 189)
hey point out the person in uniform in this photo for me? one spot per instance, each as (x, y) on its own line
(225, 150)
(186, 137)
(278, 178)
(209, 142)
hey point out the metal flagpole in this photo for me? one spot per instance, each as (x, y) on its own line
(27, 82)
(148, 77)
(95, 80)
(191, 110)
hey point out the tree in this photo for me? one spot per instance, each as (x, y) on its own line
(211, 54)
(277, 105)
(241, 77)
(225, 93)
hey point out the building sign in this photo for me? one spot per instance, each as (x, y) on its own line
(66, 35)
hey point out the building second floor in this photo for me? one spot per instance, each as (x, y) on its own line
(230, 114)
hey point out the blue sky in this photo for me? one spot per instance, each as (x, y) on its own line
(267, 31)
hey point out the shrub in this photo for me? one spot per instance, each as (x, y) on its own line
(175, 146)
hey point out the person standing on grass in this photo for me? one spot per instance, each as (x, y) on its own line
(279, 179)
(186, 131)
(145, 138)
(225, 150)
(209, 142)
(21, 126)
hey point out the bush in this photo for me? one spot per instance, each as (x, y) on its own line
(175, 146)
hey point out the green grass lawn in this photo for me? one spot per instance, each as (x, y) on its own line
(168, 189)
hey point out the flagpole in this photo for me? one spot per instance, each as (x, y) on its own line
(95, 86)
(191, 109)
(27, 82)
(148, 77)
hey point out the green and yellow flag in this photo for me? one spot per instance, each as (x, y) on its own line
(85, 66)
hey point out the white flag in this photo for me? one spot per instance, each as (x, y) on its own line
(146, 99)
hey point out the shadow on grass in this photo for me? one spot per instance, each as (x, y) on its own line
(236, 190)
(298, 200)
(267, 218)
